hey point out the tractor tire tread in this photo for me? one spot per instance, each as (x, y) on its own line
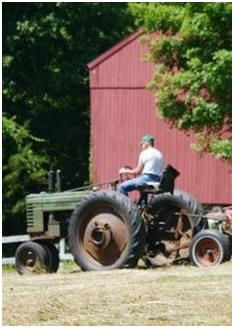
(136, 226)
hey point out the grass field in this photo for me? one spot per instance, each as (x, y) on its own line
(171, 296)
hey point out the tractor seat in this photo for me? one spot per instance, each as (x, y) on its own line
(155, 185)
(148, 187)
(166, 183)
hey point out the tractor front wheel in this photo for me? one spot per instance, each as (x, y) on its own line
(53, 256)
(31, 257)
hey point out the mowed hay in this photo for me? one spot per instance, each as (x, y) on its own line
(172, 296)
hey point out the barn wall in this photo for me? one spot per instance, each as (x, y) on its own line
(122, 110)
(125, 69)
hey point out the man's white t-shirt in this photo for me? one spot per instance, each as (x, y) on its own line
(152, 160)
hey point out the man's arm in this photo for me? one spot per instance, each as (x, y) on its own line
(135, 171)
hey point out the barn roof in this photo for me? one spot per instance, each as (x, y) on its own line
(114, 49)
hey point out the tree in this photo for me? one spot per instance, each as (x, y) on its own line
(23, 169)
(46, 47)
(193, 57)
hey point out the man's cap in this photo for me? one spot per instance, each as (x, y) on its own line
(147, 139)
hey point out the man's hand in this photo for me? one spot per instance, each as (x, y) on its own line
(123, 170)
(135, 171)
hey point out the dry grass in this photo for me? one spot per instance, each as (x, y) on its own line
(173, 296)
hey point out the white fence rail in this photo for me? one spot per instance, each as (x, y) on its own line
(63, 256)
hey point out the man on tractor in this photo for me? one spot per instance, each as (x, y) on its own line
(150, 166)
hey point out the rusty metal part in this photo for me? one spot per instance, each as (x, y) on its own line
(227, 225)
(174, 243)
(104, 238)
(178, 230)
(182, 237)
(207, 252)
(222, 217)
(41, 236)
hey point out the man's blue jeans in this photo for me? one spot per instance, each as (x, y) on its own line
(132, 184)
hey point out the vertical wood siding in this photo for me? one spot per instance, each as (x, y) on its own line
(122, 110)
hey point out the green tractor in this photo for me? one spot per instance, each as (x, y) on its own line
(107, 230)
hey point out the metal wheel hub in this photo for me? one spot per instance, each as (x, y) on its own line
(29, 259)
(208, 252)
(104, 238)
(101, 235)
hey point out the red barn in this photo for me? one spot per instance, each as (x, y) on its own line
(122, 110)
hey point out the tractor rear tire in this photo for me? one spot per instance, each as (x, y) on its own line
(31, 257)
(106, 232)
(196, 209)
(193, 202)
(209, 248)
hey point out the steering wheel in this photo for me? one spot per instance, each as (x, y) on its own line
(125, 176)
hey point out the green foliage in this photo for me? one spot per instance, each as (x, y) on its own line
(157, 16)
(19, 141)
(193, 77)
(23, 166)
(46, 47)
(221, 148)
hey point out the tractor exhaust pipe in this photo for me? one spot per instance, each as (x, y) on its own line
(58, 181)
(51, 176)
(54, 185)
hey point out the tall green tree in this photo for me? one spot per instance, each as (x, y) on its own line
(46, 47)
(193, 77)
(22, 166)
